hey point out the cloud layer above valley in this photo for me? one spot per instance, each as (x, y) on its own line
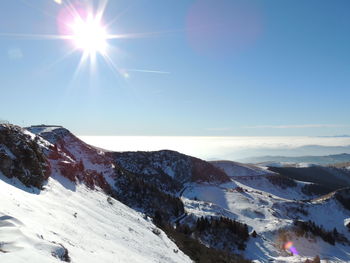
(230, 148)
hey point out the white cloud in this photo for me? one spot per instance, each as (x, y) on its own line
(215, 147)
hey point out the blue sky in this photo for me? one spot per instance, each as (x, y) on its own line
(227, 68)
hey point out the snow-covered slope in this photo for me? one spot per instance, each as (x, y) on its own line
(72, 214)
(65, 212)
(268, 214)
(268, 204)
(41, 226)
(235, 169)
(260, 178)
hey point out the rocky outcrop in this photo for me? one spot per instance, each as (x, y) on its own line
(74, 159)
(33, 158)
(22, 157)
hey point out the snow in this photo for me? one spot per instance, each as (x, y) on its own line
(266, 213)
(7, 151)
(93, 159)
(256, 178)
(235, 169)
(30, 134)
(34, 224)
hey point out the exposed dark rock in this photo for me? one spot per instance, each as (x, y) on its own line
(61, 253)
(22, 157)
(67, 154)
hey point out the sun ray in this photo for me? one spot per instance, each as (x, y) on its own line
(101, 9)
(82, 60)
(115, 19)
(71, 8)
(30, 5)
(111, 63)
(83, 27)
(36, 36)
(60, 59)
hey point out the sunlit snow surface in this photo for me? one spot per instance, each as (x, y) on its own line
(266, 213)
(33, 225)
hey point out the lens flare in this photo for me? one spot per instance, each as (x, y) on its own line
(289, 246)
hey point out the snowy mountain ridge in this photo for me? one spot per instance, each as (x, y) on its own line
(156, 206)
(71, 218)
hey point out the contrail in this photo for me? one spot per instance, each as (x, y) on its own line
(147, 71)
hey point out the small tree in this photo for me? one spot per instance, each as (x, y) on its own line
(158, 219)
(316, 259)
(254, 234)
(335, 232)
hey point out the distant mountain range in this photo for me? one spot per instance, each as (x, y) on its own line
(336, 136)
(318, 160)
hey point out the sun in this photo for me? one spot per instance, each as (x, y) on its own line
(83, 26)
(85, 29)
(89, 35)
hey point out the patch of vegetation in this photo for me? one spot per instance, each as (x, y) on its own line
(343, 196)
(282, 181)
(303, 227)
(197, 251)
(315, 189)
(297, 210)
(341, 165)
(135, 192)
(323, 176)
(222, 232)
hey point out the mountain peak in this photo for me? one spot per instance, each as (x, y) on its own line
(52, 133)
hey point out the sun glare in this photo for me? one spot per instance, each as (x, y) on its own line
(89, 35)
(84, 28)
